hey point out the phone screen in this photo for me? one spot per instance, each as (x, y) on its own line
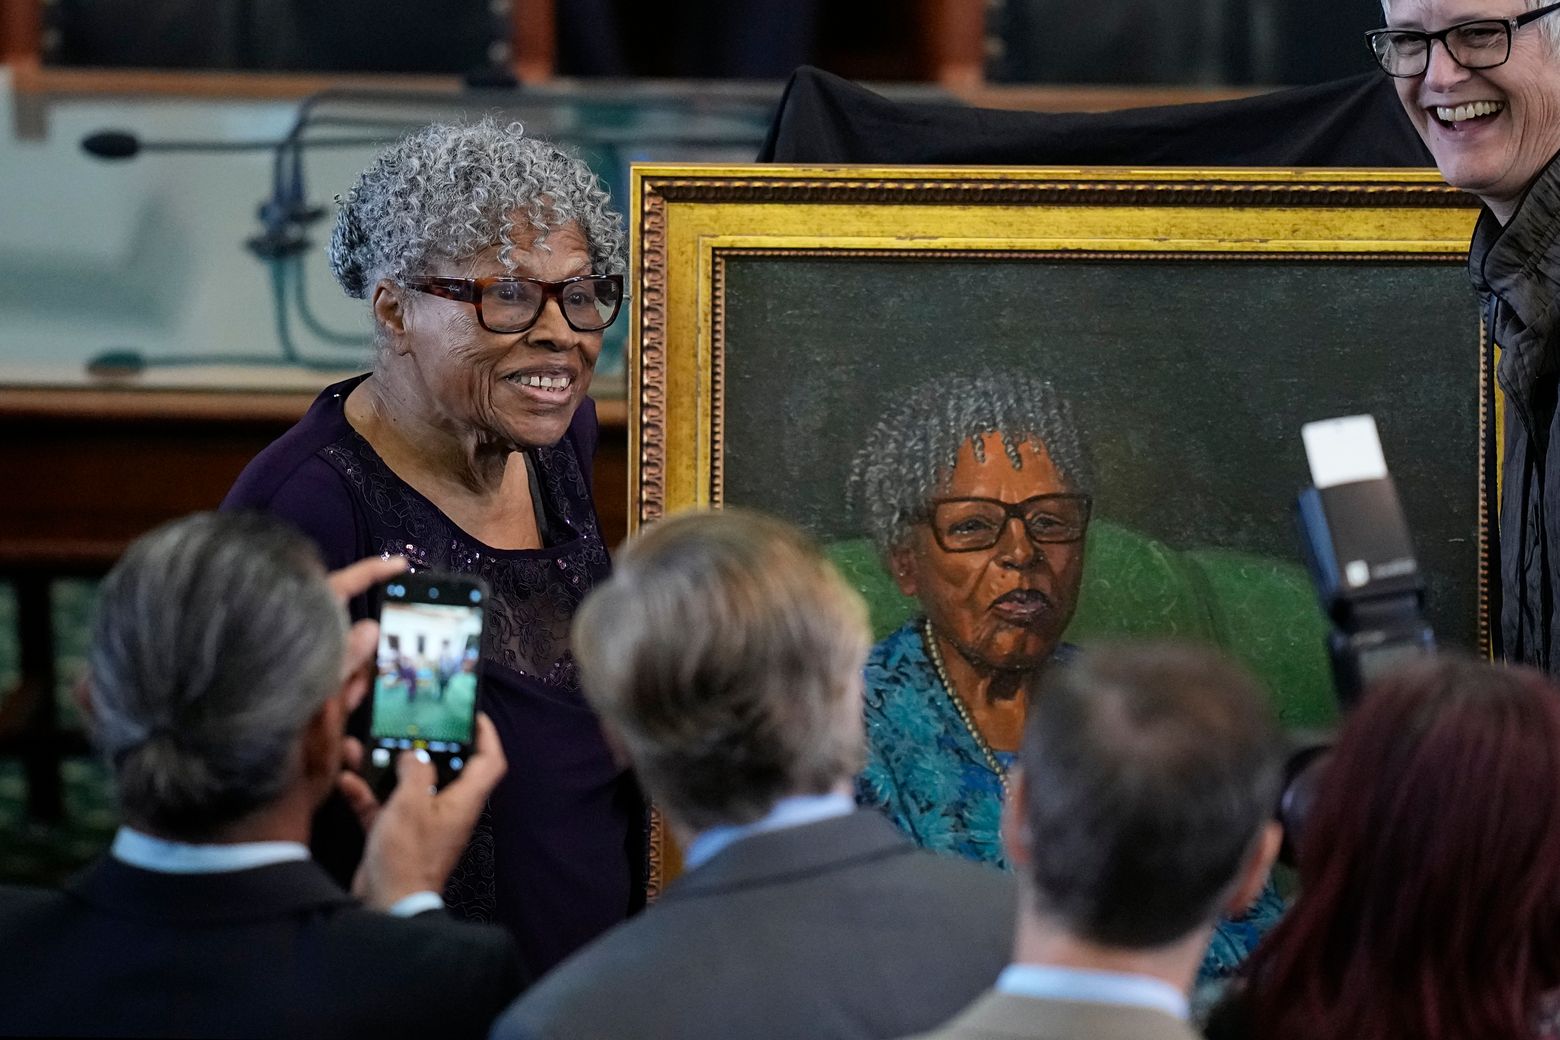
(425, 686)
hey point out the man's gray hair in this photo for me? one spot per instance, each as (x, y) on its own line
(1149, 772)
(908, 456)
(216, 640)
(449, 191)
(1549, 26)
(727, 652)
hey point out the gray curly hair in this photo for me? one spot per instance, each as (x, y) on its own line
(908, 455)
(449, 191)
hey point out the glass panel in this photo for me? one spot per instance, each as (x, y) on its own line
(153, 265)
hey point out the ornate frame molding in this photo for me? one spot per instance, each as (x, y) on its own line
(1059, 192)
(691, 220)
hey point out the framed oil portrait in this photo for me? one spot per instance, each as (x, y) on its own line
(1192, 319)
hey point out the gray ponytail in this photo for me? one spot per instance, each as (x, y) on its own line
(216, 639)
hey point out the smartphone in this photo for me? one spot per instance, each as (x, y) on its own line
(427, 675)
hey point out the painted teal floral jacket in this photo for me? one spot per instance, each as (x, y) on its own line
(927, 773)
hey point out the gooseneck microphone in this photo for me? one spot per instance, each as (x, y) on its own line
(126, 364)
(285, 214)
(122, 144)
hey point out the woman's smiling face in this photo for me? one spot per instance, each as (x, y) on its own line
(521, 388)
(1493, 130)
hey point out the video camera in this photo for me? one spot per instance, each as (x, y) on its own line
(1356, 544)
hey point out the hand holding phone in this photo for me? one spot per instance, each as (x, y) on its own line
(418, 835)
(357, 668)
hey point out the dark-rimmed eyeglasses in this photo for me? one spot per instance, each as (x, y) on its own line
(1480, 44)
(973, 524)
(589, 302)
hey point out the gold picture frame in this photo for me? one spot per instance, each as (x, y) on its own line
(711, 241)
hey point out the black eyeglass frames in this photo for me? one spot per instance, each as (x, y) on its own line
(1482, 43)
(973, 524)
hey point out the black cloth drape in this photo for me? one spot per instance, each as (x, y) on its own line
(1349, 122)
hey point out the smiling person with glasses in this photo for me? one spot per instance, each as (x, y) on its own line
(1480, 81)
(491, 262)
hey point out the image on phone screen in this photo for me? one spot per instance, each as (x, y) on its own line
(425, 687)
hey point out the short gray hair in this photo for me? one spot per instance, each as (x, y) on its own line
(216, 639)
(907, 457)
(1550, 27)
(1148, 774)
(727, 653)
(449, 191)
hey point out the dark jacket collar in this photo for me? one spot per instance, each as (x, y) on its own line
(1518, 262)
(770, 857)
(226, 898)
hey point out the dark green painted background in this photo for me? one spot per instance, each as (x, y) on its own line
(1191, 379)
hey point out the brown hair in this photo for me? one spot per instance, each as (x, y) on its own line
(1430, 873)
(1150, 771)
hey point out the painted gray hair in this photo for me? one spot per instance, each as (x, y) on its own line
(726, 652)
(449, 191)
(216, 639)
(907, 457)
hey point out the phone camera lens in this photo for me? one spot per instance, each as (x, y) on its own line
(476, 596)
(433, 592)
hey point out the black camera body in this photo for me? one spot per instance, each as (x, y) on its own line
(1355, 540)
(1361, 560)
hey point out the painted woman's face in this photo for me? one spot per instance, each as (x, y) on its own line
(1003, 608)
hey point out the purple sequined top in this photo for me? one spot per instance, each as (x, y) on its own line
(559, 854)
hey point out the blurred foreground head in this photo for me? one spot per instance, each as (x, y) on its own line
(216, 641)
(726, 653)
(1431, 870)
(1149, 775)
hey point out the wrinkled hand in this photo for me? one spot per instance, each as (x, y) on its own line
(418, 835)
(357, 668)
(357, 664)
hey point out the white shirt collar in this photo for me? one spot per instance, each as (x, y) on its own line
(1050, 982)
(787, 812)
(177, 857)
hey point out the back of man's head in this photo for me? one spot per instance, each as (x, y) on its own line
(1149, 772)
(726, 653)
(216, 640)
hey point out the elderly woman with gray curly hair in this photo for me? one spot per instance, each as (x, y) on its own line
(491, 262)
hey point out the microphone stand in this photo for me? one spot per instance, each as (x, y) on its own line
(285, 213)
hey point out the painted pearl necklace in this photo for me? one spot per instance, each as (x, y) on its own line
(959, 706)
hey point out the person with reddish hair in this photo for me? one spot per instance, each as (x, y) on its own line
(1429, 871)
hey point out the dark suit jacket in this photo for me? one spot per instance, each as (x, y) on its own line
(1003, 1016)
(839, 928)
(274, 951)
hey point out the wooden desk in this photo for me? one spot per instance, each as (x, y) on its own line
(87, 470)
